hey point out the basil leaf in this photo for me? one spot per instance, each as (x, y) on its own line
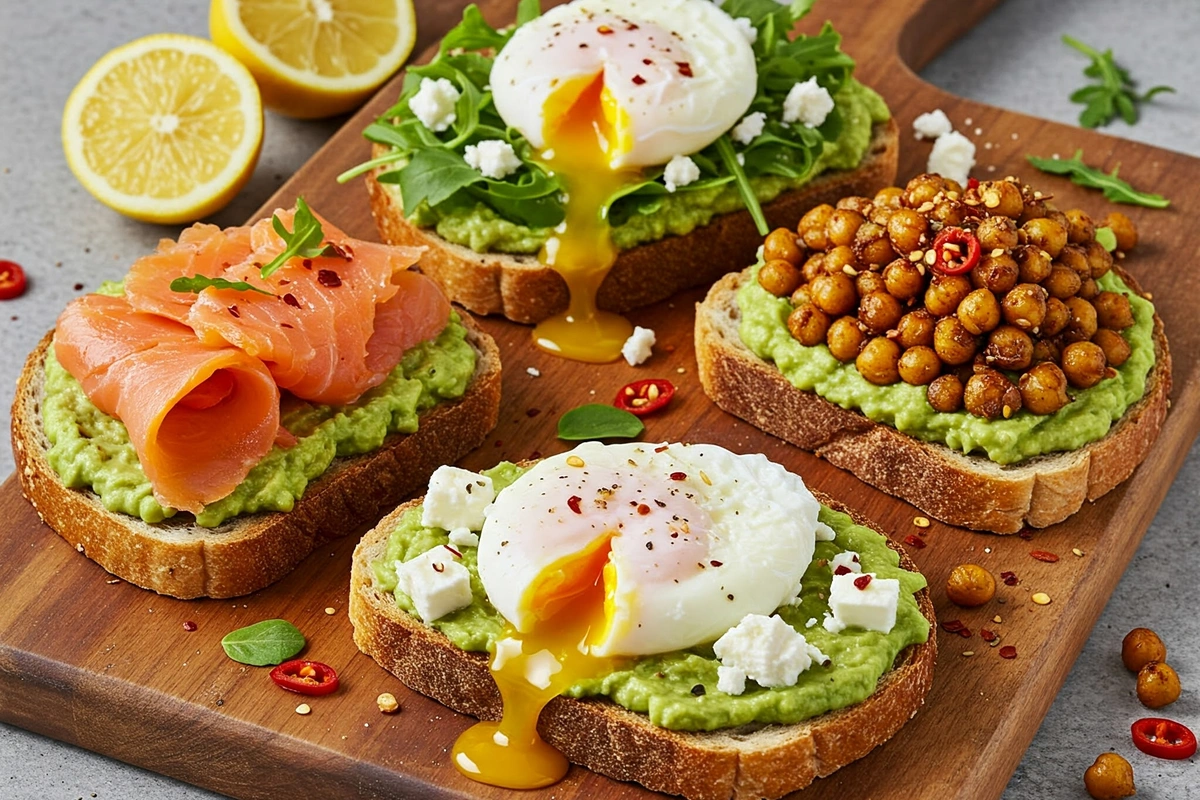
(271, 641)
(198, 283)
(598, 421)
(1115, 189)
(305, 240)
(1106, 238)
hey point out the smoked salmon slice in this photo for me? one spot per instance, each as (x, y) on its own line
(199, 417)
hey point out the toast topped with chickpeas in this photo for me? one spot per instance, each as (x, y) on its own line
(973, 351)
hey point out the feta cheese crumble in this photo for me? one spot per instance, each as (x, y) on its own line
(807, 103)
(436, 582)
(462, 537)
(764, 649)
(871, 606)
(952, 156)
(637, 347)
(747, 28)
(495, 158)
(457, 498)
(750, 127)
(680, 171)
(932, 124)
(433, 104)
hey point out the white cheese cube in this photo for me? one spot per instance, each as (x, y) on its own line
(932, 124)
(494, 158)
(847, 559)
(872, 607)
(462, 537)
(807, 103)
(680, 171)
(750, 127)
(825, 533)
(457, 498)
(433, 104)
(952, 157)
(436, 582)
(766, 649)
(730, 680)
(638, 346)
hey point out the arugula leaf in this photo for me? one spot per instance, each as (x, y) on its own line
(1114, 94)
(528, 10)
(271, 641)
(433, 175)
(198, 283)
(1115, 189)
(473, 33)
(303, 241)
(598, 421)
(725, 149)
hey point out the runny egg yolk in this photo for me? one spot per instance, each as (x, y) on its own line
(584, 127)
(573, 603)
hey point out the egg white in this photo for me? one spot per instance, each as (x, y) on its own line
(701, 537)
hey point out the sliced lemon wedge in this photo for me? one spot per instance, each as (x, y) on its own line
(315, 58)
(165, 129)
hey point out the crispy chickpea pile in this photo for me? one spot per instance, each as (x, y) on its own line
(884, 283)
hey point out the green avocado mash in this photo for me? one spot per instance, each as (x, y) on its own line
(661, 685)
(90, 449)
(1005, 441)
(477, 226)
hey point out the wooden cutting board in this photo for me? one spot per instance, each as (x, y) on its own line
(96, 662)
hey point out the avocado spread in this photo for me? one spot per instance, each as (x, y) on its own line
(903, 406)
(661, 686)
(90, 449)
(477, 226)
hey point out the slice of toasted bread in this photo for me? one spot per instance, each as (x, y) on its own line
(524, 290)
(181, 559)
(754, 761)
(965, 490)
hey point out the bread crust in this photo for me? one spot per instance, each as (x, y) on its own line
(758, 761)
(181, 559)
(524, 290)
(965, 490)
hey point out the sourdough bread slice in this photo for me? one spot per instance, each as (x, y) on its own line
(524, 290)
(753, 761)
(965, 490)
(181, 559)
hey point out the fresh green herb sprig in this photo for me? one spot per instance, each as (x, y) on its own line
(198, 283)
(1114, 188)
(271, 641)
(1113, 93)
(598, 421)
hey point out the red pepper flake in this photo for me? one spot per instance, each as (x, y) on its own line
(952, 626)
(343, 251)
(1009, 578)
(972, 183)
(647, 62)
(190, 626)
(842, 570)
(1026, 534)
(862, 582)
(1008, 651)
(631, 26)
(638, 80)
(965, 633)
(535, 455)
(685, 69)
(532, 412)
(604, 30)
(439, 567)
(233, 309)
(717, 563)
(291, 300)
(499, 443)
(328, 278)
(285, 325)
(914, 541)
(1043, 555)
(307, 264)
(573, 503)
(78, 287)
(679, 476)
(452, 550)
(661, 449)
(986, 635)
(649, 545)
(643, 509)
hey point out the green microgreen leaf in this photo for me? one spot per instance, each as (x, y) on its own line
(271, 641)
(1107, 238)
(198, 283)
(303, 241)
(725, 149)
(1114, 188)
(598, 421)
(528, 10)
(1113, 95)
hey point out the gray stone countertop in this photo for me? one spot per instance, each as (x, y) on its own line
(68, 243)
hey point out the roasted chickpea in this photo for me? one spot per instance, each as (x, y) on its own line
(812, 227)
(907, 230)
(834, 294)
(843, 224)
(872, 246)
(1116, 349)
(945, 393)
(945, 292)
(1063, 282)
(1033, 263)
(880, 215)
(890, 196)
(950, 213)
(1046, 350)
(779, 277)
(997, 273)
(1057, 317)
(838, 258)
(1110, 777)
(1099, 259)
(879, 361)
(855, 202)
(808, 324)
(1157, 685)
(1080, 228)
(1141, 646)
(1113, 311)
(1088, 289)
(953, 343)
(1082, 325)
(915, 329)
(1046, 233)
(1075, 257)
(801, 295)
(781, 244)
(903, 279)
(979, 312)
(922, 189)
(867, 282)
(1009, 347)
(845, 338)
(879, 312)
(919, 365)
(1057, 216)
(990, 395)
(1035, 208)
(997, 233)
(1084, 364)
(1024, 306)
(1001, 197)
(970, 585)
(814, 266)
(1123, 228)
(1044, 388)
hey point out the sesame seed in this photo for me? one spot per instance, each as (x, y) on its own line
(999, 251)
(330, 610)
(930, 257)
(849, 270)
(387, 703)
(303, 709)
(1077, 552)
(968, 653)
(1041, 598)
(916, 255)
(996, 619)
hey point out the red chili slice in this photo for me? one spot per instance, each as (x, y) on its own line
(1163, 738)
(305, 677)
(914, 541)
(952, 626)
(645, 396)
(1008, 651)
(12, 280)
(949, 246)
(1043, 555)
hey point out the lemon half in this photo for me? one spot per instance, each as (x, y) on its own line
(315, 58)
(165, 129)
